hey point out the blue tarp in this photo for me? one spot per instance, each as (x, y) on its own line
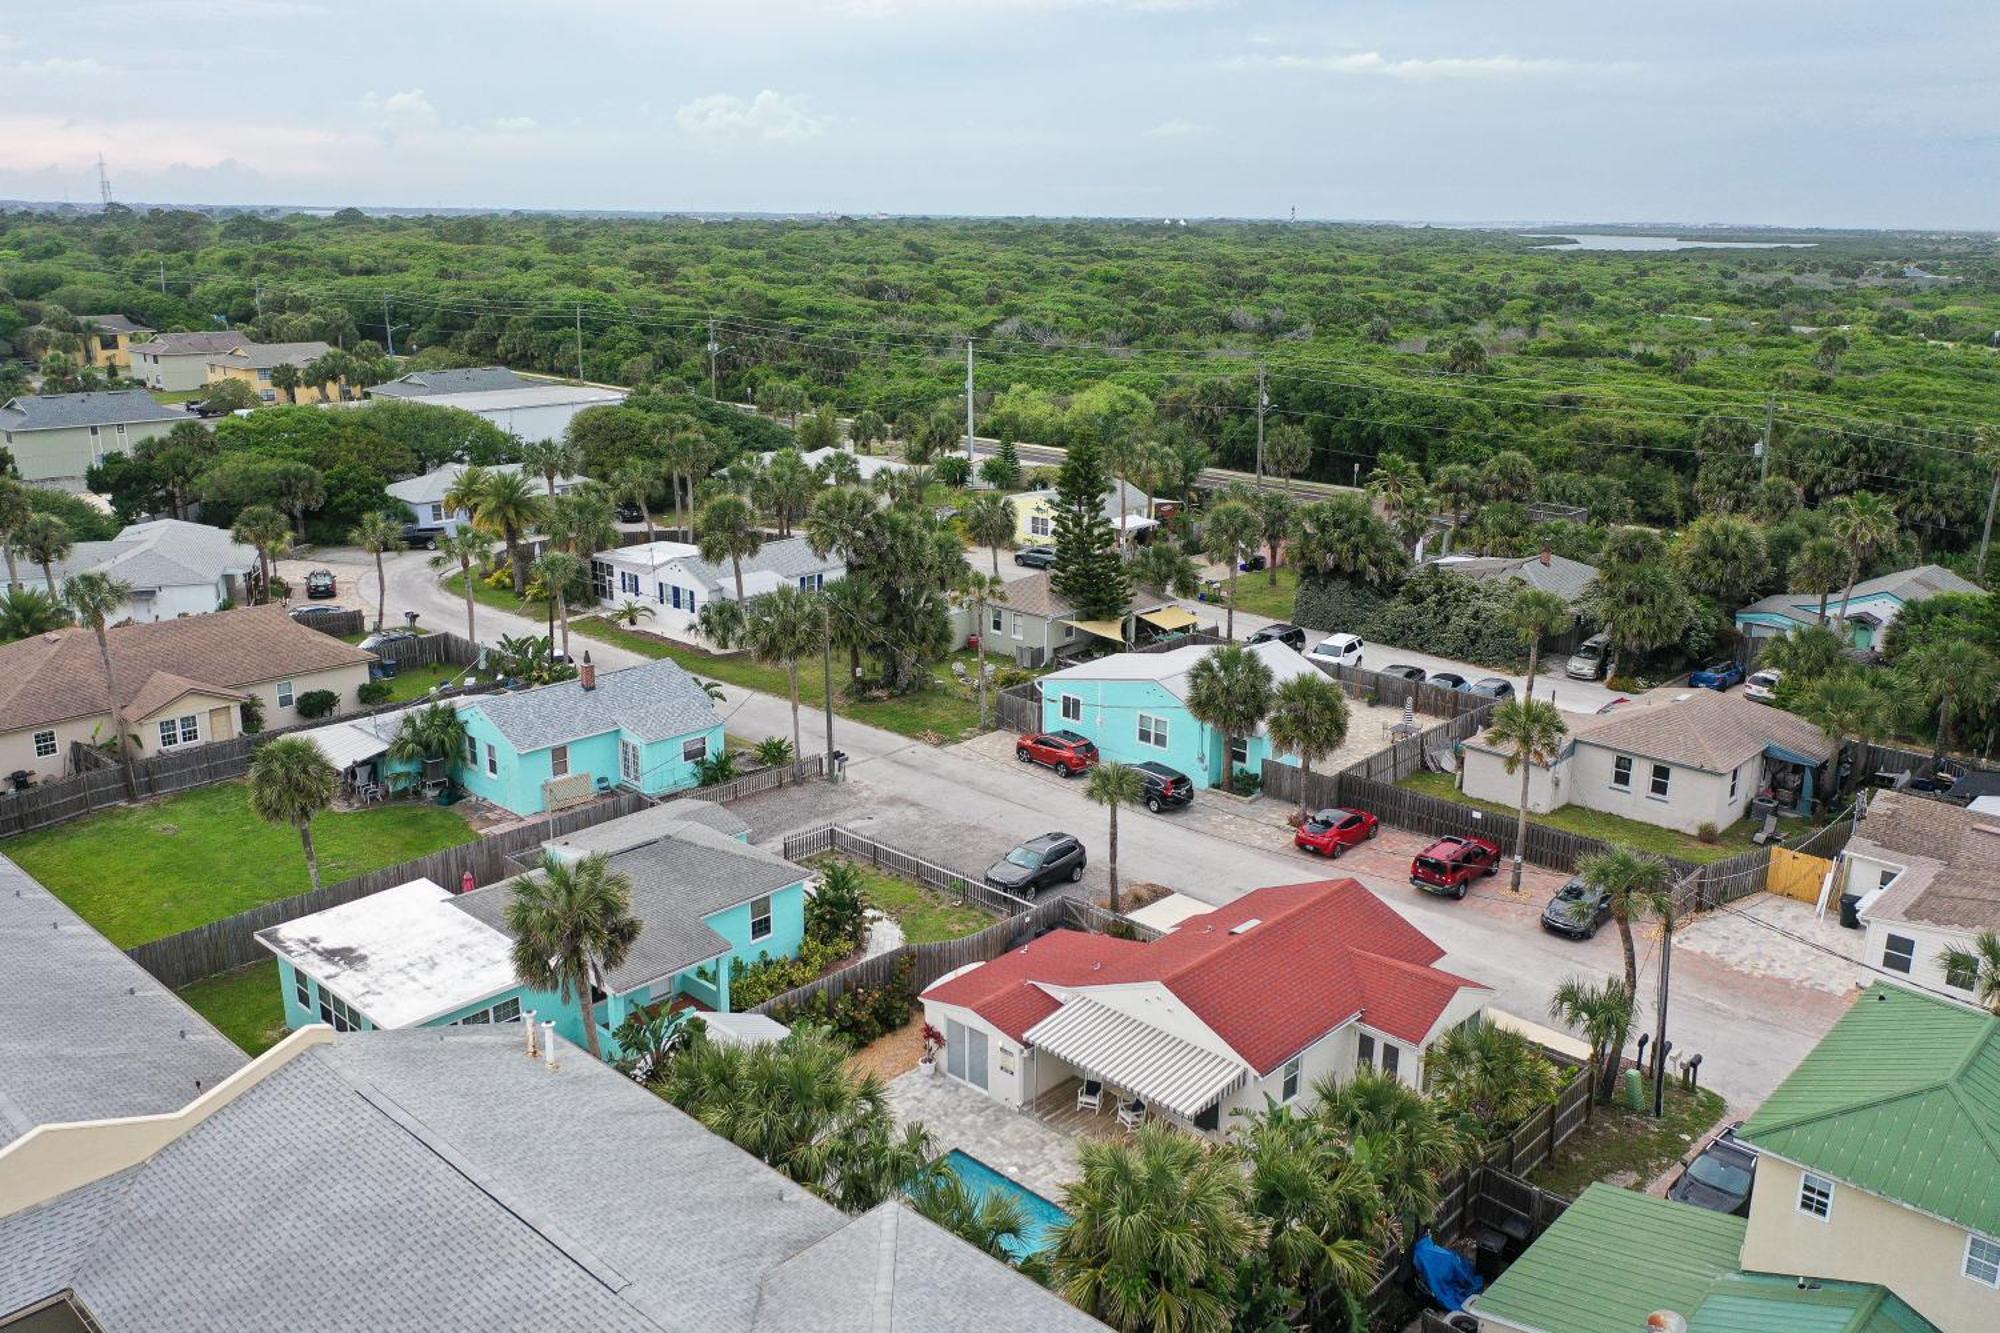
(1450, 1278)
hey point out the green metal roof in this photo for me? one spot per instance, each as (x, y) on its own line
(1610, 1260)
(1902, 1099)
(1761, 1303)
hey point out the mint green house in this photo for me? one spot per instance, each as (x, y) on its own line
(644, 728)
(1871, 608)
(1134, 705)
(419, 955)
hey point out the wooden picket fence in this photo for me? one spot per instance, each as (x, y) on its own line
(764, 779)
(1019, 707)
(430, 650)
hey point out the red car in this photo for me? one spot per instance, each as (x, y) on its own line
(1067, 752)
(1331, 832)
(1449, 864)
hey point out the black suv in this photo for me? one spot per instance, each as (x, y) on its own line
(421, 536)
(1038, 862)
(1166, 788)
(1291, 636)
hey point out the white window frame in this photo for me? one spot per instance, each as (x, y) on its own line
(1018, 623)
(437, 513)
(631, 764)
(1621, 772)
(1904, 960)
(559, 761)
(999, 620)
(191, 729)
(695, 750)
(1989, 1260)
(45, 744)
(761, 926)
(1732, 782)
(472, 750)
(1039, 526)
(285, 694)
(1239, 743)
(178, 731)
(1660, 783)
(1153, 731)
(1815, 1197)
(1288, 1086)
(492, 761)
(1071, 706)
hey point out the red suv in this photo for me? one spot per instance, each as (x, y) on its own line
(1331, 832)
(1067, 752)
(1449, 864)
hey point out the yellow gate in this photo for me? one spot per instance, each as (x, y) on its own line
(1797, 875)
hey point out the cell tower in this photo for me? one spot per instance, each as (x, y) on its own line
(103, 182)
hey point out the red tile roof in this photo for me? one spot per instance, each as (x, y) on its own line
(1319, 954)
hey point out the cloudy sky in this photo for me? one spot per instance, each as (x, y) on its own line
(1791, 112)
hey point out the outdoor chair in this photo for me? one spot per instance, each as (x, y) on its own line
(1090, 1096)
(1769, 833)
(1132, 1114)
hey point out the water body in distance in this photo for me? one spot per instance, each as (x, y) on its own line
(1589, 241)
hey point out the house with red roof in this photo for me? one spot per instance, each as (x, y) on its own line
(1258, 999)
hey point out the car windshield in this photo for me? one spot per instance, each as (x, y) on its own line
(1025, 857)
(1321, 822)
(1720, 1173)
(1574, 892)
(1716, 668)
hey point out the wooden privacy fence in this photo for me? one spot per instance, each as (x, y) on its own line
(1019, 707)
(1394, 691)
(221, 946)
(430, 650)
(764, 779)
(338, 624)
(833, 838)
(1797, 874)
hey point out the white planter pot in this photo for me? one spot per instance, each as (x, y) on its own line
(928, 1066)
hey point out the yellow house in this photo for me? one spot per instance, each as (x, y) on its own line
(253, 364)
(1035, 513)
(107, 342)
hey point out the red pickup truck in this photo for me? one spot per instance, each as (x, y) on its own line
(1449, 864)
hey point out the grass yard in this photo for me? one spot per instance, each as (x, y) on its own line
(244, 1005)
(1256, 595)
(500, 599)
(1626, 1147)
(415, 682)
(925, 915)
(140, 872)
(1597, 824)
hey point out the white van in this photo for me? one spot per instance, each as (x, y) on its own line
(1589, 659)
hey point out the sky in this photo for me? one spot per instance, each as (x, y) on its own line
(1828, 113)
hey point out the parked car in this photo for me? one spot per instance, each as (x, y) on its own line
(1719, 1178)
(320, 583)
(1448, 865)
(1450, 680)
(385, 636)
(630, 513)
(1338, 649)
(1577, 910)
(312, 615)
(1251, 564)
(1036, 557)
(1166, 788)
(1067, 752)
(1414, 674)
(1331, 832)
(1039, 862)
(1717, 676)
(1291, 636)
(1590, 658)
(421, 536)
(1762, 686)
(1493, 687)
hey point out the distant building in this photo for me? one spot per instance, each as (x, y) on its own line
(174, 568)
(676, 582)
(425, 494)
(1035, 513)
(107, 342)
(1870, 610)
(178, 362)
(60, 436)
(437, 383)
(532, 409)
(252, 364)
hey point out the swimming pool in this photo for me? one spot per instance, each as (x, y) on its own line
(982, 1179)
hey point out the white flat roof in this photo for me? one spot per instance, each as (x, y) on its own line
(648, 554)
(402, 956)
(536, 395)
(1168, 912)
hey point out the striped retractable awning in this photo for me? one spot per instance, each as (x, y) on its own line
(1131, 1053)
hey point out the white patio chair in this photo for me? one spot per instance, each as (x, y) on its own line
(1131, 1114)
(1090, 1096)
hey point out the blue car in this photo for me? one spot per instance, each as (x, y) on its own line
(1717, 676)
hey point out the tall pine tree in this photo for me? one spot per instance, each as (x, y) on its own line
(1089, 573)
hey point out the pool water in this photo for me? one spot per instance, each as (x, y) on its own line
(981, 1180)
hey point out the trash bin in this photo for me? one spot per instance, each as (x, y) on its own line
(1763, 807)
(1850, 916)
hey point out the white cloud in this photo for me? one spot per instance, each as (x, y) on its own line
(1177, 129)
(55, 67)
(516, 124)
(768, 115)
(404, 110)
(1440, 67)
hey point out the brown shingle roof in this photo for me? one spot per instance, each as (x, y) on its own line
(163, 687)
(57, 676)
(1953, 878)
(1034, 596)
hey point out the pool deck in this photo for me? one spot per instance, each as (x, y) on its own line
(1014, 1143)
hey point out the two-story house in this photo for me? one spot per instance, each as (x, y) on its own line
(424, 495)
(107, 342)
(673, 579)
(253, 363)
(60, 436)
(178, 362)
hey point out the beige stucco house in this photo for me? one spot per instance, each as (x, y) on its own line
(107, 342)
(178, 362)
(1928, 874)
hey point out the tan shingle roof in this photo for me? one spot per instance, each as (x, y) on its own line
(1952, 855)
(163, 687)
(1035, 596)
(1699, 729)
(53, 677)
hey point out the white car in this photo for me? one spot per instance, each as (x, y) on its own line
(1762, 686)
(1338, 650)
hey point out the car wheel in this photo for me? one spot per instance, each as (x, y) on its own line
(1374, 829)
(1076, 873)
(1068, 772)
(1458, 890)
(1021, 753)
(1337, 849)
(1589, 934)
(1153, 804)
(1490, 871)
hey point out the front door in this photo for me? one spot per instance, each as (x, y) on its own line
(628, 763)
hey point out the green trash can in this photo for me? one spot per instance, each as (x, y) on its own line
(1635, 1089)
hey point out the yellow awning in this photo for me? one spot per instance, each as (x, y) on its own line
(1170, 618)
(1104, 629)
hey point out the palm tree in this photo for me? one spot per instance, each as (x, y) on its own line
(572, 925)
(1862, 522)
(685, 455)
(1818, 566)
(1457, 487)
(1398, 483)
(1308, 719)
(581, 522)
(1530, 732)
(786, 487)
(1228, 534)
(637, 483)
(1400, 1135)
(551, 459)
(1976, 969)
(45, 539)
(506, 507)
(1492, 1077)
(297, 488)
(1602, 1011)
(1508, 477)
(267, 530)
(1230, 689)
(466, 548)
(980, 591)
(558, 571)
(1342, 538)
(290, 783)
(285, 378)
(785, 626)
(1536, 614)
(1323, 1219)
(1275, 511)
(837, 523)
(1166, 568)
(15, 513)
(1949, 673)
(1114, 785)
(431, 735)
(28, 612)
(631, 612)
(1288, 452)
(1844, 705)
(1723, 556)
(93, 598)
(375, 534)
(1804, 654)
(989, 521)
(1157, 1229)
(720, 621)
(726, 529)
(990, 1220)
(1638, 886)
(461, 497)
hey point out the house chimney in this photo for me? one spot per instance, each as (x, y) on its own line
(588, 672)
(1546, 554)
(528, 1026)
(549, 1044)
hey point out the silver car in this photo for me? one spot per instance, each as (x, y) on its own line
(1762, 686)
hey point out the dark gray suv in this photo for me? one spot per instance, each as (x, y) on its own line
(1049, 859)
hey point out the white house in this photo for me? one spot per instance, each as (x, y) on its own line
(869, 466)
(1258, 999)
(178, 362)
(1928, 874)
(530, 409)
(676, 582)
(174, 568)
(1698, 758)
(425, 494)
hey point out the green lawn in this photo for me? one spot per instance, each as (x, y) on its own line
(1628, 1147)
(244, 1004)
(140, 872)
(173, 397)
(1617, 829)
(500, 599)
(926, 917)
(1256, 595)
(415, 682)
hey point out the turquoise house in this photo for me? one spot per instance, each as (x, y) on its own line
(419, 955)
(1871, 609)
(1134, 705)
(644, 728)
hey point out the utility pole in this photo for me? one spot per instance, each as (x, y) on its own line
(163, 277)
(713, 349)
(1263, 401)
(1992, 498)
(257, 292)
(579, 340)
(103, 182)
(826, 646)
(968, 404)
(1764, 445)
(1660, 1019)
(388, 329)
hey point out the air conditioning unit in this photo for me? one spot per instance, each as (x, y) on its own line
(1029, 657)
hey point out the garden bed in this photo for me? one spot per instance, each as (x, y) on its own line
(1621, 1146)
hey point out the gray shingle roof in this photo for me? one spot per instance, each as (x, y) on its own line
(1564, 577)
(85, 1033)
(480, 379)
(66, 411)
(163, 553)
(113, 324)
(788, 558)
(1905, 585)
(634, 830)
(653, 702)
(191, 344)
(266, 356)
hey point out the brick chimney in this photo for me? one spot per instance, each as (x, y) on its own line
(1546, 555)
(589, 672)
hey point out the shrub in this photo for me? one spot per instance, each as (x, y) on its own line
(280, 589)
(502, 577)
(1707, 831)
(953, 470)
(317, 703)
(838, 913)
(374, 692)
(773, 750)
(252, 710)
(1000, 474)
(1335, 604)
(1248, 783)
(714, 769)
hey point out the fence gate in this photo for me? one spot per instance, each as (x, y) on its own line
(1797, 874)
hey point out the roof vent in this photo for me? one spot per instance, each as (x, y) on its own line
(1245, 927)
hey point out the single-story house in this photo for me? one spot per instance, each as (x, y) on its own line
(1033, 625)
(450, 1181)
(443, 383)
(1929, 878)
(645, 727)
(181, 683)
(419, 955)
(527, 408)
(107, 341)
(425, 494)
(869, 466)
(1698, 758)
(1035, 511)
(1870, 610)
(674, 578)
(1134, 705)
(252, 364)
(1549, 572)
(174, 568)
(60, 436)
(178, 362)
(1255, 1000)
